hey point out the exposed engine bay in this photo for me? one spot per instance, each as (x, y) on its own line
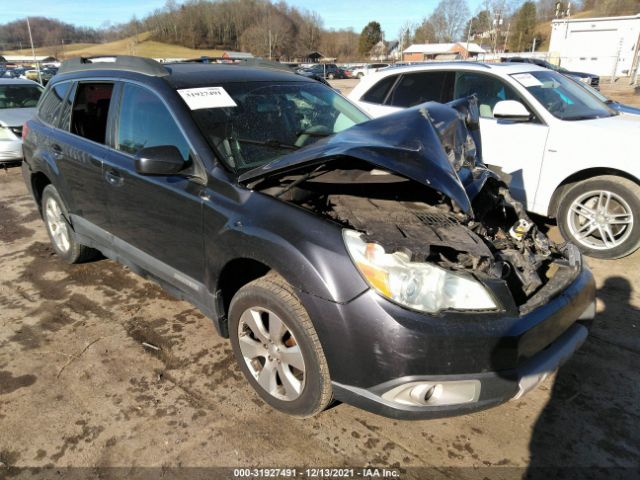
(491, 236)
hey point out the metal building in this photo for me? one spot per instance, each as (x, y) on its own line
(597, 45)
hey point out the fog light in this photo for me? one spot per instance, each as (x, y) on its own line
(434, 393)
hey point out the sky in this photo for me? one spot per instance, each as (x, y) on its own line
(391, 14)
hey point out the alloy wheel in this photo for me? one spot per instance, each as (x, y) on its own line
(600, 220)
(271, 353)
(57, 225)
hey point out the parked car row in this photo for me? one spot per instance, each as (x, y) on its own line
(377, 262)
(45, 74)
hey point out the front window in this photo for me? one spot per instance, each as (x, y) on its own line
(144, 121)
(562, 97)
(272, 120)
(19, 96)
(489, 89)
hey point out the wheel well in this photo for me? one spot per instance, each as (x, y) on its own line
(235, 275)
(579, 176)
(38, 182)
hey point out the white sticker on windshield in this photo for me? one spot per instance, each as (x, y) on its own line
(206, 97)
(527, 80)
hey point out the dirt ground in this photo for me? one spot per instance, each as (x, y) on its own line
(78, 389)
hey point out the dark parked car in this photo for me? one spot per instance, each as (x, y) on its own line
(324, 70)
(587, 78)
(375, 262)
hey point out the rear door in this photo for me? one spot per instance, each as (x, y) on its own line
(81, 152)
(157, 219)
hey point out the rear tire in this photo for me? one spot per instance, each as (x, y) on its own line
(62, 236)
(277, 347)
(601, 216)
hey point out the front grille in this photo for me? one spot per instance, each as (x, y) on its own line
(437, 219)
(17, 131)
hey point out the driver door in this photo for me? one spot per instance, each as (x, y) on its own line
(517, 148)
(157, 220)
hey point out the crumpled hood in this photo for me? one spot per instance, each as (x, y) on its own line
(15, 117)
(406, 143)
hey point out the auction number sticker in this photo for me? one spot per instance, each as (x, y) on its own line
(206, 97)
(527, 80)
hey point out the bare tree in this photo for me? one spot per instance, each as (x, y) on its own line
(449, 19)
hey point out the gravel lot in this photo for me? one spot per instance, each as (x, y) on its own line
(78, 389)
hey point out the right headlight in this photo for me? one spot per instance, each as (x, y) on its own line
(417, 285)
(6, 133)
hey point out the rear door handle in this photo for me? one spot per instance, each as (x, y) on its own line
(113, 178)
(57, 150)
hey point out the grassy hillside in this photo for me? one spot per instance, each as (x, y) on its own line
(139, 45)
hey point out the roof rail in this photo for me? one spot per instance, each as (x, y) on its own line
(250, 62)
(146, 66)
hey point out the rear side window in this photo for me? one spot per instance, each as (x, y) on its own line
(51, 102)
(379, 91)
(91, 110)
(145, 121)
(416, 88)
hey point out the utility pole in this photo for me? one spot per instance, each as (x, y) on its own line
(33, 52)
(506, 38)
(497, 23)
(469, 36)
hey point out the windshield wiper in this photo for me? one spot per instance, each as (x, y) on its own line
(311, 133)
(271, 143)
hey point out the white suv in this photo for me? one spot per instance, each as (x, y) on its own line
(367, 69)
(568, 155)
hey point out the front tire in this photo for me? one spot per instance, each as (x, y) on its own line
(277, 347)
(62, 236)
(601, 216)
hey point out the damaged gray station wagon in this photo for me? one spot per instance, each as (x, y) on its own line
(373, 262)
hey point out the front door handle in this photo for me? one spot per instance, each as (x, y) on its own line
(113, 178)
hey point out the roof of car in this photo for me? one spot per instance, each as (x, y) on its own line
(182, 74)
(198, 74)
(507, 68)
(17, 81)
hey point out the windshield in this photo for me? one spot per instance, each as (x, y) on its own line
(19, 96)
(562, 97)
(271, 120)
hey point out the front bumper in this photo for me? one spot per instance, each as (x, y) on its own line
(495, 387)
(372, 345)
(10, 150)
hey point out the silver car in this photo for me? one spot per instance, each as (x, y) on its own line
(18, 99)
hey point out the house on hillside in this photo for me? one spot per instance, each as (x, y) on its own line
(384, 51)
(238, 55)
(419, 52)
(597, 45)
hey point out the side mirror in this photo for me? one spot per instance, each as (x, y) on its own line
(511, 110)
(160, 160)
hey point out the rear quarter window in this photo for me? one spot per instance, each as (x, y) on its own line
(379, 91)
(50, 104)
